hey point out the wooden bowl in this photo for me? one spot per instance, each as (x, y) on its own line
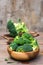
(23, 55)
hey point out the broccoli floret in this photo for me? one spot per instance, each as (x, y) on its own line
(20, 26)
(28, 38)
(27, 35)
(11, 28)
(19, 40)
(27, 48)
(24, 48)
(16, 28)
(35, 44)
(20, 49)
(24, 39)
(13, 46)
(23, 44)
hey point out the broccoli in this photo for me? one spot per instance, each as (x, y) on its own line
(24, 48)
(27, 35)
(16, 28)
(11, 28)
(24, 39)
(13, 46)
(28, 38)
(27, 48)
(20, 26)
(20, 49)
(35, 44)
(20, 44)
(19, 40)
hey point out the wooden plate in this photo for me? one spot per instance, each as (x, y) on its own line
(8, 37)
(34, 34)
(23, 55)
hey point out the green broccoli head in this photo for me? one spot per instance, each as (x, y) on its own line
(20, 49)
(24, 48)
(21, 27)
(13, 46)
(24, 39)
(27, 35)
(35, 44)
(19, 40)
(26, 42)
(11, 28)
(20, 44)
(27, 48)
(16, 28)
(28, 38)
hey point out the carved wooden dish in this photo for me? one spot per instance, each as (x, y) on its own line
(23, 55)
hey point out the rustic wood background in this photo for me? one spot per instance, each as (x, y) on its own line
(30, 11)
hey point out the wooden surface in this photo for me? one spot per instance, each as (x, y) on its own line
(4, 54)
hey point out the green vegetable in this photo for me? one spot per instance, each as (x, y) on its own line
(35, 44)
(24, 48)
(24, 39)
(19, 40)
(13, 46)
(24, 43)
(27, 48)
(28, 38)
(27, 35)
(19, 20)
(20, 49)
(16, 28)
(11, 28)
(27, 41)
(10, 62)
(21, 27)
(6, 59)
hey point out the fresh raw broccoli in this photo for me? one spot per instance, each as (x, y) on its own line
(13, 46)
(11, 28)
(20, 49)
(20, 26)
(27, 41)
(20, 44)
(35, 44)
(24, 39)
(19, 40)
(27, 37)
(27, 48)
(24, 48)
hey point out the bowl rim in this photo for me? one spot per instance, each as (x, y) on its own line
(37, 49)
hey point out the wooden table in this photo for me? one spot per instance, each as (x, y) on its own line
(4, 54)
